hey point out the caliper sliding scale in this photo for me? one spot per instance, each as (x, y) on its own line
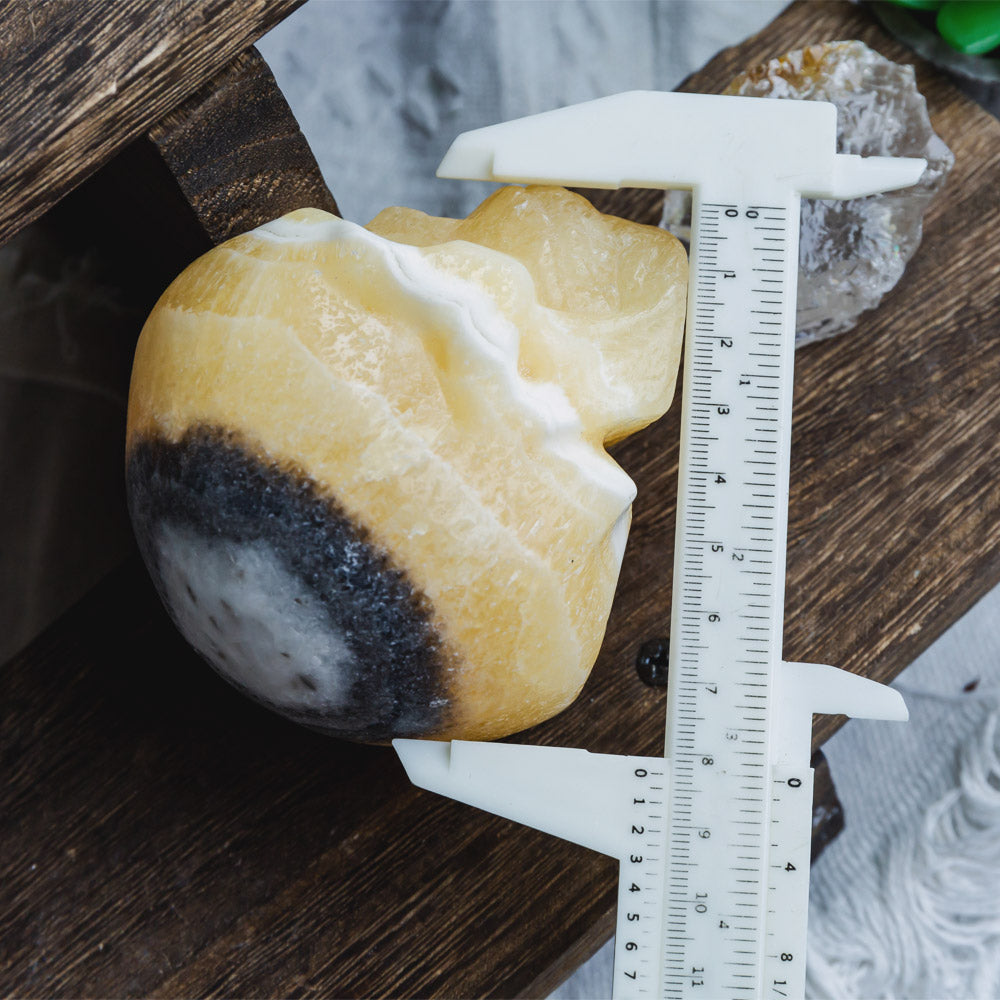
(714, 838)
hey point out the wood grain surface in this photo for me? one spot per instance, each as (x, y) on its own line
(237, 152)
(160, 836)
(91, 77)
(228, 158)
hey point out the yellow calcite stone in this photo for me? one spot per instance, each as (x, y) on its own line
(366, 466)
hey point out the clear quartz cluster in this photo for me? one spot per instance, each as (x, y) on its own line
(851, 252)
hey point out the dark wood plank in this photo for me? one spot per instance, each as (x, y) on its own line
(91, 77)
(160, 836)
(237, 152)
(139, 220)
(230, 157)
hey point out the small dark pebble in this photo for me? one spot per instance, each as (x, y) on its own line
(828, 813)
(971, 686)
(651, 662)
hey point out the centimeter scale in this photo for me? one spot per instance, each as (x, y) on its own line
(713, 839)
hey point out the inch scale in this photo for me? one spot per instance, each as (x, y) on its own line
(713, 839)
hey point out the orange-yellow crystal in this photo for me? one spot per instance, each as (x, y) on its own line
(323, 350)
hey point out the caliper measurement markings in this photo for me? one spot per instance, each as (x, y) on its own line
(705, 908)
(727, 506)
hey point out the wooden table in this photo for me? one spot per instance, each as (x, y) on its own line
(160, 836)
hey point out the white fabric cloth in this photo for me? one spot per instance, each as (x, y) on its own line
(906, 903)
(381, 87)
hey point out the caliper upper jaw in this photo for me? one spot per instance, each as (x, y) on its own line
(853, 176)
(804, 689)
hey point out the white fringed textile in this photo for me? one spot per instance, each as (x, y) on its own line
(905, 904)
(924, 922)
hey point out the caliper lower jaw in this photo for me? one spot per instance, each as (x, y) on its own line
(577, 795)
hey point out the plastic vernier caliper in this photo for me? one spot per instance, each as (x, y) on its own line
(713, 839)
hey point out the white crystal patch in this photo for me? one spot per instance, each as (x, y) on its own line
(255, 622)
